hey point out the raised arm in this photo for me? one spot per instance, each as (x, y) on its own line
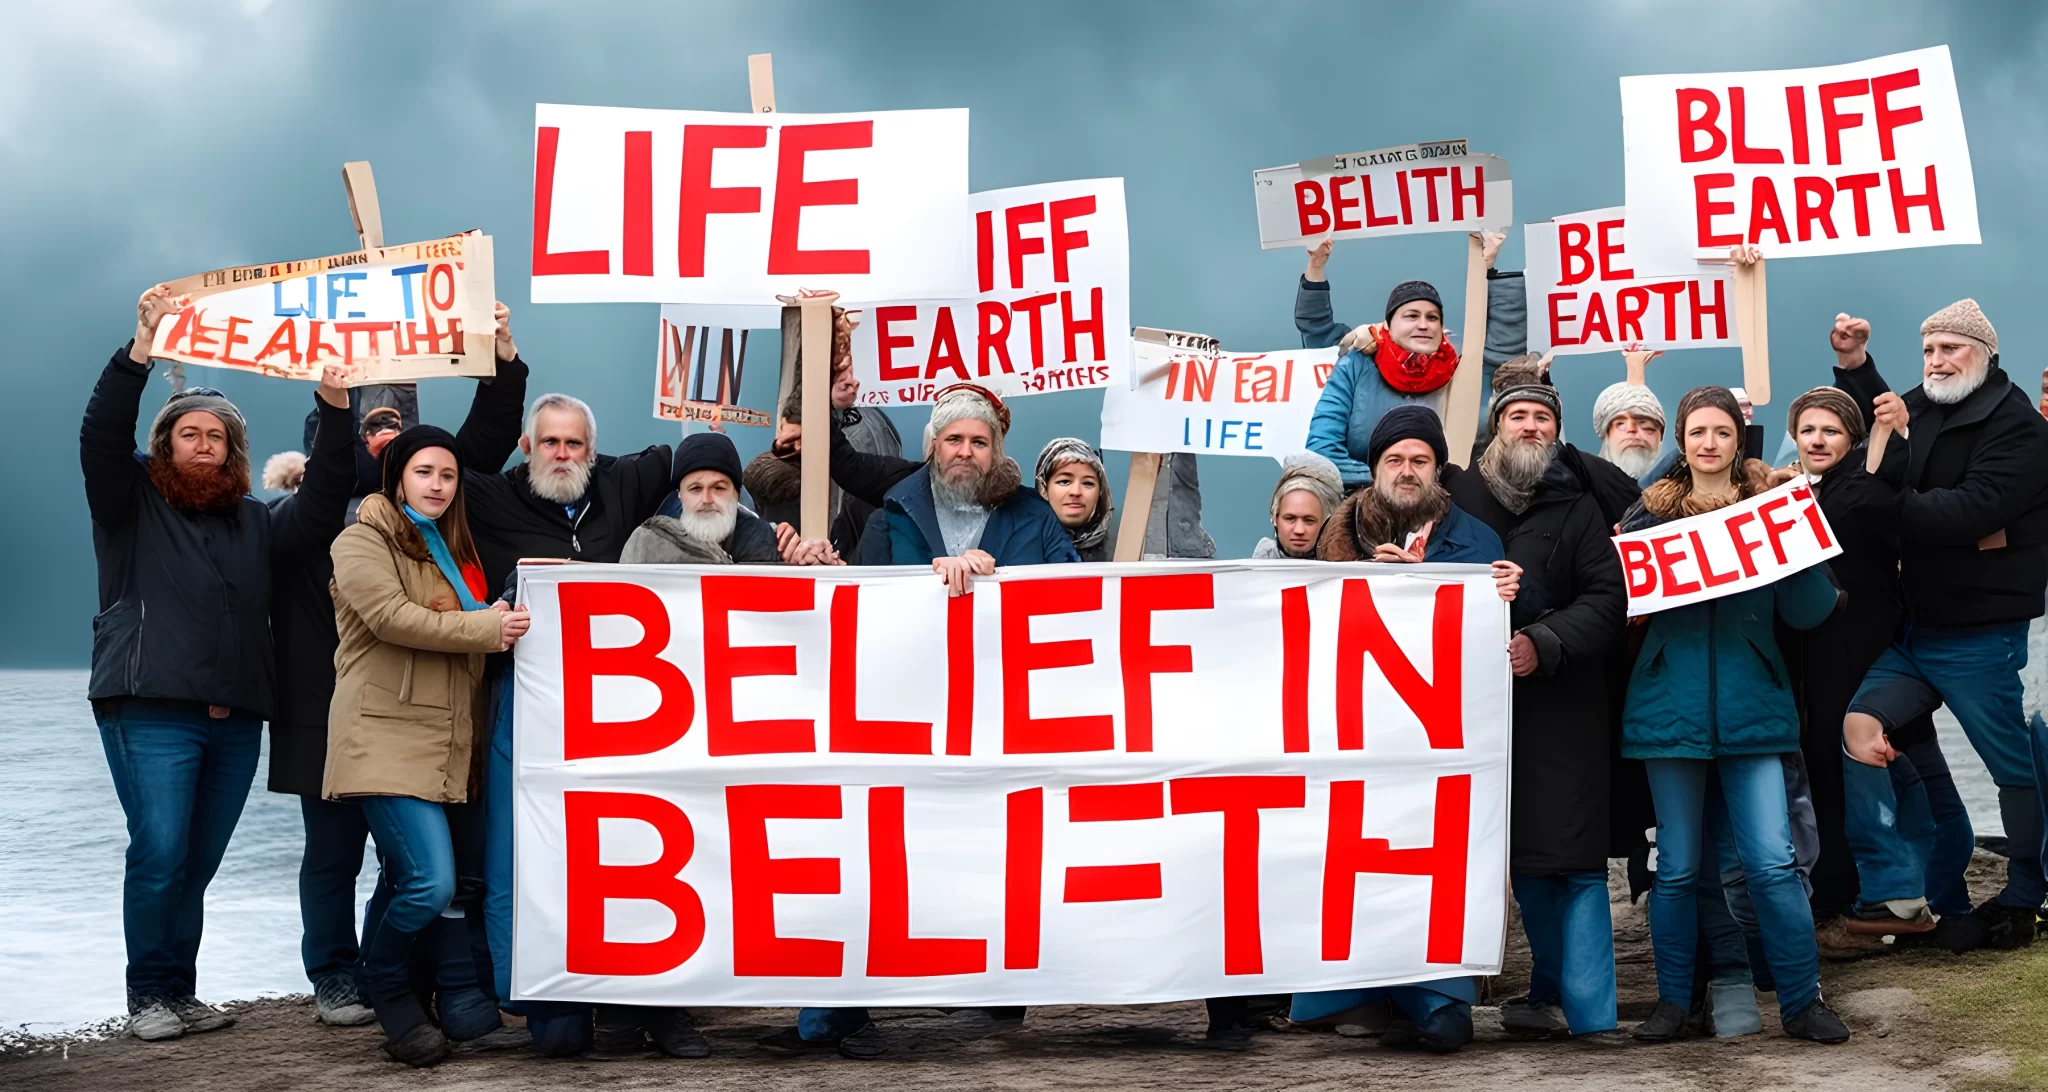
(491, 431)
(366, 580)
(864, 476)
(1312, 315)
(310, 518)
(1855, 371)
(106, 441)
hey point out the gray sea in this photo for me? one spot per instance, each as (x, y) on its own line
(62, 839)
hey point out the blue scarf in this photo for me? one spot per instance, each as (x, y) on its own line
(437, 547)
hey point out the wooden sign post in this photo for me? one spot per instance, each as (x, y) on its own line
(1753, 327)
(1138, 489)
(1461, 426)
(816, 473)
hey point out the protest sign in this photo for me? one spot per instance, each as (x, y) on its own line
(1750, 544)
(840, 787)
(695, 382)
(687, 206)
(1189, 395)
(389, 313)
(1586, 296)
(1052, 313)
(1407, 190)
(1798, 162)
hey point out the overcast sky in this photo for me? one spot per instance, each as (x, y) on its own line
(143, 142)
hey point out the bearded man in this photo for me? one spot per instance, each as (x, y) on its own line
(710, 527)
(1540, 496)
(1973, 559)
(182, 668)
(1629, 422)
(1406, 515)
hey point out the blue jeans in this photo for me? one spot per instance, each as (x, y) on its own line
(418, 855)
(829, 1025)
(335, 834)
(1753, 788)
(182, 778)
(1421, 1002)
(1908, 829)
(1976, 673)
(1571, 942)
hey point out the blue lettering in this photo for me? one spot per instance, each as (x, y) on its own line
(1228, 427)
(1251, 435)
(1184, 440)
(408, 272)
(338, 288)
(308, 309)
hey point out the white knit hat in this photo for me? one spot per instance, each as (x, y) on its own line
(1625, 397)
(964, 400)
(1311, 473)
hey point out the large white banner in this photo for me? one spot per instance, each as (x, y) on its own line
(840, 787)
(687, 206)
(1414, 188)
(1190, 396)
(1803, 161)
(1586, 296)
(1750, 544)
(1052, 313)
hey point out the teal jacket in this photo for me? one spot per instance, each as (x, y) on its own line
(1709, 680)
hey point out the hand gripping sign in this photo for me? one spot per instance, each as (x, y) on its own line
(1751, 544)
(686, 206)
(1188, 395)
(1586, 296)
(844, 788)
(388, 313)
(1837, 160)
(1407, 190)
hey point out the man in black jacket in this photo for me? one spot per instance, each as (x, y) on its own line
(1541, 497)
(1973, 561)
(181, 658)
(302, 632)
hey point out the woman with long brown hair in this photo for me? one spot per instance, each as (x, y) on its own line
(409, 606)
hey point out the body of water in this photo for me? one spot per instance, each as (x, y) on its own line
(62, 837)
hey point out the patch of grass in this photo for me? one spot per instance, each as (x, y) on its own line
(1998, 999)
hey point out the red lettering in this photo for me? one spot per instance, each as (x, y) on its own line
(583, 736)
(545, 263)
(1108, 804)
(284, 339)
(636, 224)
(892, 951)
(757, 878)
(887, 343)
(1372, 216)
(1064, 241)
(1477, 191)
(1929, 198)
(1705, 208)
(1795, 114)
(1014, 220)
(1764, 212)
(1574, 253)
(1833, 119)
(1024, 734)
(230, 339)
(698, 198)
(315, 347)
(960, 674)
(1347, 854)
(1074, 328)
(1595, 325)
(1888, 120)
(1428, 177)
(1339, 203)
(1437, 703)
(1665, 560)
(1632, 302)
(850, 734)
(1707, 573)
(1610, 250)
(1772, 528)
(1738, 136)
(590, 882)
(1142, 596)
(1308, 207)
(793, 195)
(1669, 290)
(985, 250)
(1701, 309)
(995, 334)
(1239, 799)
(1401, 188)
(1816, 202)
(1558, 319)
(945, 354)
(723, 595)
(1033, 308)
(1023, 875)
(1691, 125)
(1857, 186)
(1814, 518)
(1294, 635)
(1636, 567)
(1745, 550)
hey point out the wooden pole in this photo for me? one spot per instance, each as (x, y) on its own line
(817, 410)
(761, 81)
(362, 202)
(1461, 424)
(1138, 488)
(1753, 327)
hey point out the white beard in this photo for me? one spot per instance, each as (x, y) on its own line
(564, 485)
(1633, 461)
(1947, 390)
(713, 527)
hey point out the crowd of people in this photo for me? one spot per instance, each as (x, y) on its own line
(1776, 745)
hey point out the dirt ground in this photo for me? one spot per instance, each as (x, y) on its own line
(1899, 1005)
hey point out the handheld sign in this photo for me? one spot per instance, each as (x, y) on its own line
(687, 206)
(1188, 395)
(695, 382)
(1751, 544)
(1587, 296)
(1415, 188)
(1800, 162)
(406, 312)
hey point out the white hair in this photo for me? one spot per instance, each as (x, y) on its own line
(565, 402)
(1948, 390)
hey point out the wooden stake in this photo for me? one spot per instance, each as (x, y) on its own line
(1753, 328)
(1138, 488)
(761, 81)
(1461, 425)
(362, 202)
(817, 411)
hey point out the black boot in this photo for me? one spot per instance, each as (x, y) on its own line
(675, 1034)
(409, 1036)
(1665, 1024)
(2006, 927)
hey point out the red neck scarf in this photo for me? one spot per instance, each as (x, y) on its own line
(1412, 372)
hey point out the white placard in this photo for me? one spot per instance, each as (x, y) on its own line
(1750, 544)
(1414, 188)
(1587, 296)
(1190, 396)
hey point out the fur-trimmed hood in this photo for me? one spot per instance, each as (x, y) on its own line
(1672, 498)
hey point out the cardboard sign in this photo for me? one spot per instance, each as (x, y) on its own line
(1838, 160)
(1586, 296)
(1053, 313)
(1394, 191)
(840, 787)
(686, 206)
(1188, 395)
(1749, 545)
(389, 314)
(695, 382)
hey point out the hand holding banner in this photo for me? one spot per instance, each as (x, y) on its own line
(1749, 544)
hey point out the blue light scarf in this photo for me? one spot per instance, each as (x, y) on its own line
(437, 547)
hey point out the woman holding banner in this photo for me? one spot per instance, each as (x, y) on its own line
(409, 596)
(1707, 702)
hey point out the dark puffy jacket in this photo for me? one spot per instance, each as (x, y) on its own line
(510, 522)
(1974, 469)
(1020, 531)
(185, 596)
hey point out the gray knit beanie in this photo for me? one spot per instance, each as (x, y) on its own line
(201, 400)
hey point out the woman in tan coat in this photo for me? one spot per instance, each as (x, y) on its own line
(409, 600)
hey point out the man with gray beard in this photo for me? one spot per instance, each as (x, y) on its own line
(711, 528)
(1629, 422)
(1542, 497)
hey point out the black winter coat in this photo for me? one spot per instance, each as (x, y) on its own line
(510, 522)
(185, 597)
(302, 608)
(1573, 607)
(1974, 469)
